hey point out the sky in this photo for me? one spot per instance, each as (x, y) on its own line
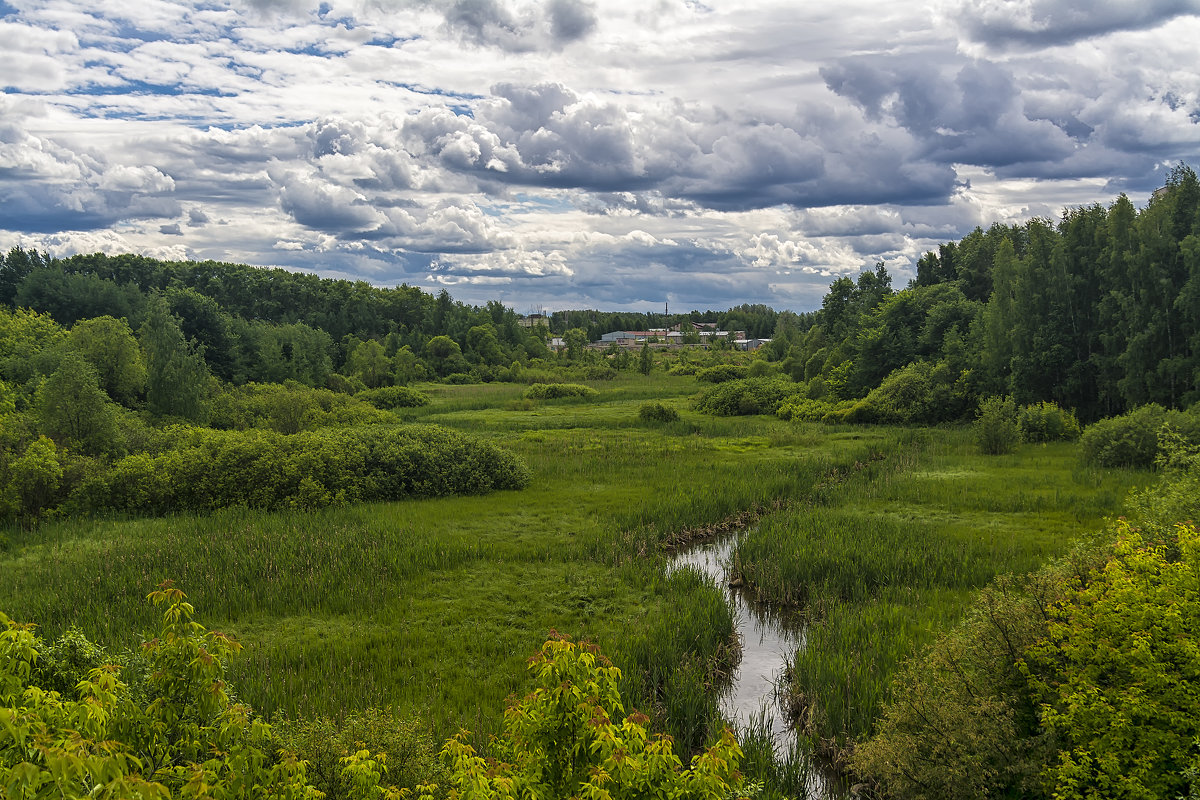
(552, 154)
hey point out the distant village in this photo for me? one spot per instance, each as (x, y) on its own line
(684, 334)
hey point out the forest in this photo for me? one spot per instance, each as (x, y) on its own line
(976, 491)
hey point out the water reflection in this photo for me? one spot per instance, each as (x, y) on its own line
(769, 637)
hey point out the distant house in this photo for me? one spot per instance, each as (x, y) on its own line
(533, 320)
(750, 344)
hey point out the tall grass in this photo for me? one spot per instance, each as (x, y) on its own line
(887, 554)
(433, 605)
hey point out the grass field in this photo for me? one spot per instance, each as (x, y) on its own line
(433, 606)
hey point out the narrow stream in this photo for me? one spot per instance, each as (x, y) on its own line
(769, 637)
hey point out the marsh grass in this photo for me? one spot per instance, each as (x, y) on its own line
(888, 554)
(432, 606)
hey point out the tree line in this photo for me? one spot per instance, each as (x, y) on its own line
(1098, 311)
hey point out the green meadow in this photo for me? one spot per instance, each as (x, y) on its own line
(433, 606)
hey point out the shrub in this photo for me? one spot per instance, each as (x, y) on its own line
(289, 407)
(173, 730)
(801, 409)
(1046, 422)
(1131, 440)
(657, 412)
(394, 397)
(571, 737)
(746, 396)
(1118, 675)
(683, 368)
(759, 368)
(553, 391)
(721, 373)
(206, 470)
(996, 426)
(322, 743)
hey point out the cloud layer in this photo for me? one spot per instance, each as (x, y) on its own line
(567, 153)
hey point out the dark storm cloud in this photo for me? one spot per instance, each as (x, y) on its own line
(962, 111)
(546, 135)
(493, 23)
(1042, 23)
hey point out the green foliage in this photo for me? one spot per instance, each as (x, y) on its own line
(657, 412)
(370, 364)
(1076, 681)
(1118, 674)
(724, 372)
(645, 359)
(1131, 440)
(34, 479)
(205, 470)
(110, 347)
(409, 751)
(390, 397)
(74, 410)
(178, 383)
(25, 338)
(1046, 422)
(176, 734)
(570, 737)
(746, 396)
(995, 427)
(290, 408)
(961, 721)
(554, 391)
(576, 339)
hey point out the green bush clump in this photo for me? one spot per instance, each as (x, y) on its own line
(394, 397)
(802, 409)
(746, 396)
(721, 373)
(553, 391)
(1131, 440)
(323, 742)
(206, 470)
(684, 368)
(1046, 422)
(288, 408)
(996, 426)
(657, 412)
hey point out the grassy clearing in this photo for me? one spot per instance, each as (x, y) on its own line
(888, 554)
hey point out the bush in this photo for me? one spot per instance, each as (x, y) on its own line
(390, 397)
(721, 373)
(206, 470)
(1046, 422)
(1131, 440)
(996, 427)
(657, 412)
(801, 409)
(322, 743)
(177, 707)
(746, 396)
(554, 391)
(1077, 681)
(289, 408)
(683, 368)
